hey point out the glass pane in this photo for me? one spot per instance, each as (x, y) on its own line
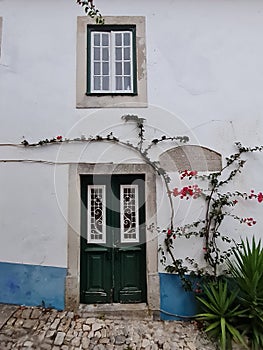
(96, 39)
(96, 214)
(118, 53)
(105, 83)
(96, 53)
(96, 68)
(96, 83)
(118, 68)
(105, 39)
(118, 83)
(127, 83)
(127, 68)
(118, 39)
(127, 53)
(105, 54)
(127, 41)
(105, 68)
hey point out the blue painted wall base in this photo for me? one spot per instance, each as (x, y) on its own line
(174, 299)
(32, 285)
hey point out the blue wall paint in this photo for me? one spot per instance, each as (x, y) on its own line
(174, 299)
(32, 285)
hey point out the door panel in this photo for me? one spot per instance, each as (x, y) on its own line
(131, 289)
(113, 267)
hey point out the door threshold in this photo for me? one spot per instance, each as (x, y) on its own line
(116, 311)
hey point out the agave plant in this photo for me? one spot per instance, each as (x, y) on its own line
(221, 314)
(247, 271)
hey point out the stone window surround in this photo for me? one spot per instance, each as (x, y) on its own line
(111, 101)
(72, 290)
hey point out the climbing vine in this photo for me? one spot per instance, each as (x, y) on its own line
(219, 203)
(91, 10)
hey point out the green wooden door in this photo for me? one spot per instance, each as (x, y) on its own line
(113, 264)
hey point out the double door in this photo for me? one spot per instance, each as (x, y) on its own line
(113, 264)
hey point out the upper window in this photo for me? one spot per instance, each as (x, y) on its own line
(111, 63)
(111, 60)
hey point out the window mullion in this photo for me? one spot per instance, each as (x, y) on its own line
(112, 61)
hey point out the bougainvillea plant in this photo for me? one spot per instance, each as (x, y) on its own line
(219, 204)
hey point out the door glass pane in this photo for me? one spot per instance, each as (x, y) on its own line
(96, 214)
(129, 214)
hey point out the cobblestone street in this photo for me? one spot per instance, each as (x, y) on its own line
(48, 329)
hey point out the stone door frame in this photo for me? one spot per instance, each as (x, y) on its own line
(72, 285)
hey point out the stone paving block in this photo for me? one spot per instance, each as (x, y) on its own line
(50, 333)
(96, 326)
(64, 324)
(29, 324)
(85, 343)
(59, 338)
(26, 313)
(99, 347)
(36, 313)
(76, 341)
(28, 343)
(55, 324)
(19, 322)
(45, 346)
(64, 347)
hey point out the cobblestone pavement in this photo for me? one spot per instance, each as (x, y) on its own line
(48, 329)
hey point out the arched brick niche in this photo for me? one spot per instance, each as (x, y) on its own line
(190, 157)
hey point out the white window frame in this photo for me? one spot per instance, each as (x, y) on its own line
(112, 60)
(89, 221)
(137, 238)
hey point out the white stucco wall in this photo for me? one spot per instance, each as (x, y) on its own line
(205, 79)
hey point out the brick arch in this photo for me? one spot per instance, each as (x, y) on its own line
(190, 157)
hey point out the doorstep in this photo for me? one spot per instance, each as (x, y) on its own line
(117, 311)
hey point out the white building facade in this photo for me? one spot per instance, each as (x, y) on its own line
(82, 211)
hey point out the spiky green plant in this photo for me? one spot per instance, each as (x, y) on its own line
(247, 271)
(221, 313)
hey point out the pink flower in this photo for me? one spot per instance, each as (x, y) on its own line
(169, 232)
(260, 197)
(175, 192)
